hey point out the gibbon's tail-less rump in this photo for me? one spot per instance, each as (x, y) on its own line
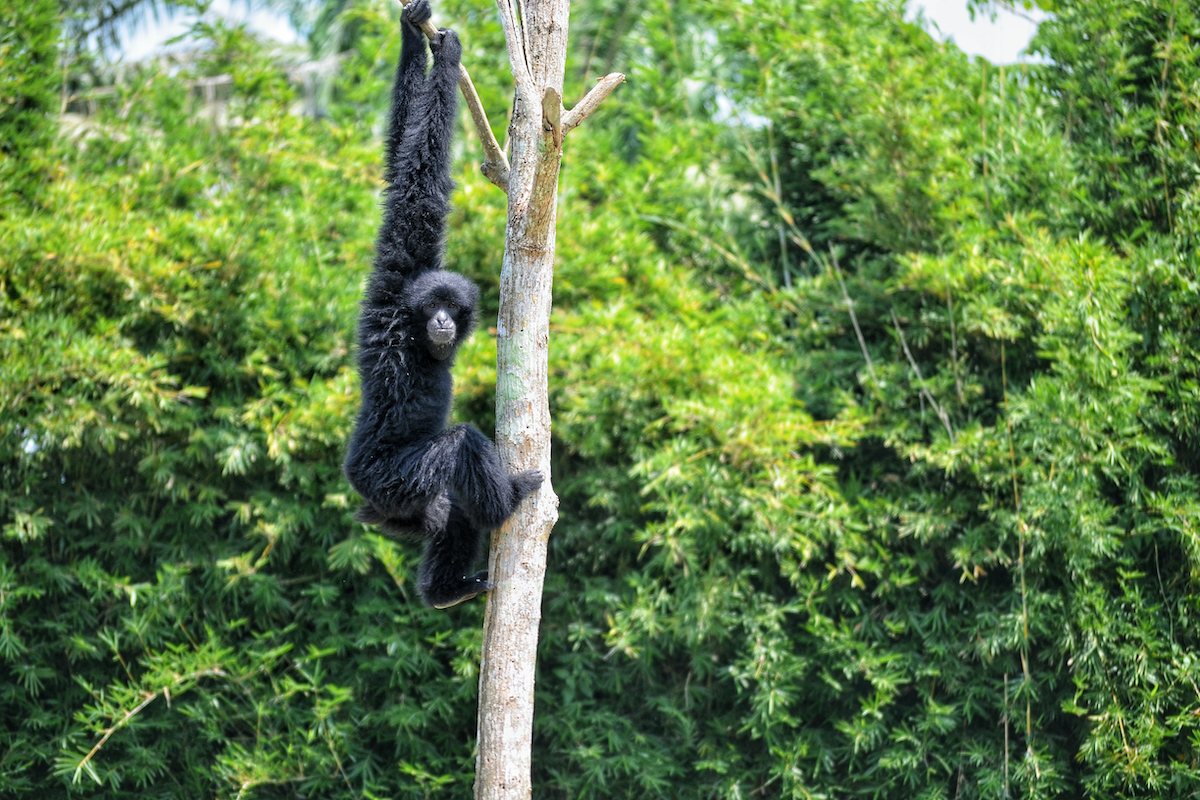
(418, 477)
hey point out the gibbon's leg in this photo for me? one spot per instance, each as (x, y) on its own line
(466, 461)
(445, 577)
(421, 523)
(395, 484)
(418, 199)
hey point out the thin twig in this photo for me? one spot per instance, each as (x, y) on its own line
(514, 39)
(774, 193)
(147, 699)
(730, 256)
(941, 413)
(495, 163)
(1006, 793)
(954, 342)
(862, 343)
(114, 13)
(783, 254)
(1021, 534)
(130, 714)
(1013, 9)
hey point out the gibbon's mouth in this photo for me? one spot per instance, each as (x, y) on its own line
(441, 336)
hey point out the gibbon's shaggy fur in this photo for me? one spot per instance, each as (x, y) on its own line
(418, 477)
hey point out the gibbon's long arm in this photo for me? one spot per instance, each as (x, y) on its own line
(417, 153)
(410, 77)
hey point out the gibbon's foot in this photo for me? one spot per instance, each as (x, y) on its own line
(473, 586)
(367, 514)
(526, 483)
(490, 517)
(418, 12)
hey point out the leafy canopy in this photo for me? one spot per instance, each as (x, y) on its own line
(874, 398)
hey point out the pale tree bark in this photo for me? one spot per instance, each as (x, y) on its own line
(537, 43)
(536, 35)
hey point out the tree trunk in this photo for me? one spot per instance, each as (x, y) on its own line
(537, 49)
(517, 567)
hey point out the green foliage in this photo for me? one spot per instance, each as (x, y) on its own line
(1126, 86)
(180, 580)
(28, 50)
(974, 581)
(873, 373)
(1018, 631)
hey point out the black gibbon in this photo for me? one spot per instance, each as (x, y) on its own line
(419, 477)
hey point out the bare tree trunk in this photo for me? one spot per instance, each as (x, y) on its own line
(518, 558)
(536, 34)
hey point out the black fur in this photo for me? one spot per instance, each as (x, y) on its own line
(418, 477)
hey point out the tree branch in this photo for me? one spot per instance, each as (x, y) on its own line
(115, 12)
(495, 163)
(514, 39)
(592, 100)
(147, 699)
(862, 343)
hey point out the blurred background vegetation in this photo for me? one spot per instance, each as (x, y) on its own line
(875, 392)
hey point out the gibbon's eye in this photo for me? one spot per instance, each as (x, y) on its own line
(431, 307)
(451, 306)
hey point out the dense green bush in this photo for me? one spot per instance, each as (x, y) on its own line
(28, 46)
(875, 410)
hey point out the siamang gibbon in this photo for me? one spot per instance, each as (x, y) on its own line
(417, 476)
